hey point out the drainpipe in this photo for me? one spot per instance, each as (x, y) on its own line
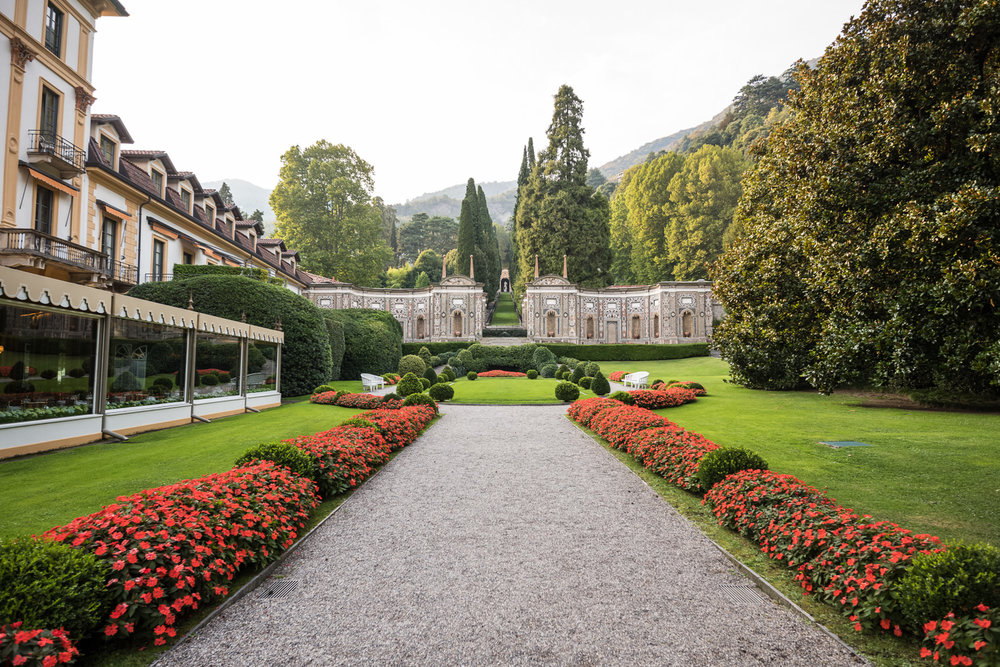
(138, 246)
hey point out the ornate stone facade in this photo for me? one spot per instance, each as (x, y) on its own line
(454, 309)
(555, 310)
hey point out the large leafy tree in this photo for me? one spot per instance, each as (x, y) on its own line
(558, 213)
(389, 221)
(647, 199)
(424, 232)
(871, 244)
(324, 207)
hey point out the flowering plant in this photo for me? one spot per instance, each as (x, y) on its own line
(35, 647)
(391, 378)
(668, 398)
(502, 374)
(617, 423)
(616, 376)
(970, 640)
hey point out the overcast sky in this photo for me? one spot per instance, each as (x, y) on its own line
(431, 93)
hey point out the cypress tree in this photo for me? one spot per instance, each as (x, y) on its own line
(466, 237)
(522, 180)
(489, 247)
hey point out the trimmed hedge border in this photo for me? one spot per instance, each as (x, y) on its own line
(435, 348)
(628, 352)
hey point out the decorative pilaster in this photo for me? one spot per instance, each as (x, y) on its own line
(20, 55)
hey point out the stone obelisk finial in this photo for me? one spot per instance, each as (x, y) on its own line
(472, 269)
(444, 268)
(565, 268)
(536, 266)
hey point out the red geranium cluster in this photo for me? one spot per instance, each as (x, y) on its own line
(35, 647)
(502, 374)
(688, 384)
(621, 421)
(616, 376)
(357, 401)
(205, 371)
(175, 547)
(964, 641)
(667, 398)
(401, 427)
(391, 378)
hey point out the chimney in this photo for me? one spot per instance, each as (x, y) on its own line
(536, 266)
(472, 269)
(565, 272)
(444, 268)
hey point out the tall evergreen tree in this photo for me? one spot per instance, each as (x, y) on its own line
(470, 235)
(531, 153)
(488, 247)
(558, 213)
(522, 180)
(226, 194)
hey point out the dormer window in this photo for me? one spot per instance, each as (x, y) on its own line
(108, 147)
(210, 214)
(158, 178)
(54, 20)
(186, 199)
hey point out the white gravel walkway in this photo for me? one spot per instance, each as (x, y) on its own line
(507, 536)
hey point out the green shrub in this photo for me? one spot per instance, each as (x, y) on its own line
(373, 341)
(592, 368)
(409, 384)
(391, 396)
(424, 355)
(209, 380)
(532, 374)
(578, 374)
(126, 382)
(435, 348)
(719, 463)
(569, 362)
(283, 454)
(622, 397)
(567, 392)
(421, 399)
(442, 392)
(18, 387)
(435, 361)
(600, 385)
(52, 585)
(76, 372)
(48, 374)
(561, 372)
(542, 356)
(224, 377)
(629, 352)
(357, 421)
(335, 332)
(471, 375)
(305, 356)
(548, 370)
(166, 383)
(585, 382)
(431, 375)
(182, 271)
(447, 374)
(411, 363)
(425, 383)
(955, 580)
(322, 389)
(17, 371)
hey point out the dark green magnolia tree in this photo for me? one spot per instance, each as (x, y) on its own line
(424, 232)
(429, 262)
(558, 213)
(869, 253)
(324, 207)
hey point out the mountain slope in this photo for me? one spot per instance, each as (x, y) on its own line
(248, 197)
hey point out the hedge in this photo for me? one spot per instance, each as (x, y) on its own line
(435, 348)
(372, 341)
(305, 356)
(183, 271)
(633, 352)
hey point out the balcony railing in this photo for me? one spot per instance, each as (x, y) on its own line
(48, 143)
(50, 248)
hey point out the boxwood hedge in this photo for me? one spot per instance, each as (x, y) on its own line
(373, 341)
(628, 352)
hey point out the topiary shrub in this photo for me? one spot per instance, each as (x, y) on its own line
(322, 389)
(442, 392)
(224, 377)
(411, 363)
(282, 454)
(720, 463)
(532, 373)
(623, 397)
(592, 368)
(548, 370)
(425, 355)
(431, 375)
(567, 392)
(542, 356)
(471, 375)
(17, 371)
(305, 356)
(447, 375)
(578, 374)
(954, 580)
(435, 361)
(600, 385)
(561, 372)
(585, 382)
(18, 387)
(166, 383)
(425, 383)
(373, 341)
(48, 374)
(76, 372)
(358, 421)
(409, 384)
(391, 396)
(209, 380)
(52, 585)
(126, 382)
(421, 399)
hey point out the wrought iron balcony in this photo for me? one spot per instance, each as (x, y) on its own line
(28, 247)
(64, 155)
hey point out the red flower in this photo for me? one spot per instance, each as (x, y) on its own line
(982, 622)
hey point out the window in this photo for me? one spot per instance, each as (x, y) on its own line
(157, 177)
(108, 149)
(50, 114)
(108, 232)
(187, 258)
(43, 210)
(53, 29)
(210, 214)
(146, 363)
(186, 199)
(158, 251)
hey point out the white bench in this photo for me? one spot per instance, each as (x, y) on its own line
(369, 381)
(637, 380)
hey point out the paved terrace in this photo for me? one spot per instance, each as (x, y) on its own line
(507, 536)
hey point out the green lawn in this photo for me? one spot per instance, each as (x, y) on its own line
(508, 391)
(39, 492)
(936, 472)
(505, 315)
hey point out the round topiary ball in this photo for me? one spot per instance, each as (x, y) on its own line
(567, 392)
(561, 371)
(532, 374)
(281, 453)
(585, 382)
(409, 384)
(548, 370)
(322, 389)
(592, 368)
(421, 399)
(424, 383)
(719, 463)
(471, 375)
(442, 392)
(411, 363)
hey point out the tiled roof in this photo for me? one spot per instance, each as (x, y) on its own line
(315, 278)
(152, 155)
(270, 241)
(112, 119)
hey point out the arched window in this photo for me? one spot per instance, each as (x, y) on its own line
(590, 326)
(656, 325)
(420, 327)
(635, 327)
(457, 324)
(550, 324)
(687, 324)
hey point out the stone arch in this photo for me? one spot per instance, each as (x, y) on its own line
(421, 327)
(656, 325)
(505, 284)
(590, 326)
(687, 324)
(636, 327)
(550, 323)
(456, 323)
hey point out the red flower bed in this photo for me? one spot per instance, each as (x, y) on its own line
(688, 384)
(205, 371)
(357, 401)
(673, 453)
(401, 427)
(35, 647)
(502, 374)
(391, 378)
(668, 398)
(617, 423)
(585, 410)
(965, 640)
(28, 370)
(174, 547)
(616, 376)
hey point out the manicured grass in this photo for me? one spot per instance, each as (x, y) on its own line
(508, 391)
(505, 315)
(935, 472)
(39, 492)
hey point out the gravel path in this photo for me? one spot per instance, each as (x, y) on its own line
(507, 536)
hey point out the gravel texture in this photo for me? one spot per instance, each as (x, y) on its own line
(505, 535)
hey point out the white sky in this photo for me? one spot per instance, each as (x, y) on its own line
(429, 92)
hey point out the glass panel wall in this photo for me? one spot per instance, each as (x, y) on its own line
(262, 366)
(146, 365)
(217, 364)
(46, 364)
